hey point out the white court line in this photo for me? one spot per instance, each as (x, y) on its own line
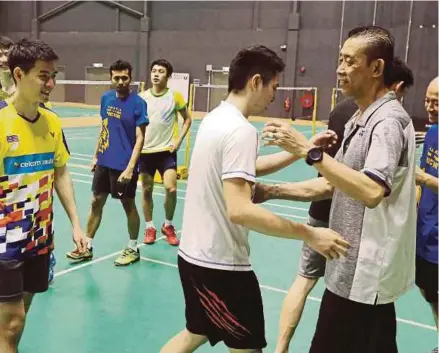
(278, 290)
(80, 158)
(273, 181)
(262, 179)
(68, 138)
(82, 155)
(184, 198)
(74, 134)
(184, 191)
(273, 289)
(269, 288)
(88, 263)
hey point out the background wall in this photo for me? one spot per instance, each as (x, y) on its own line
(194, 34)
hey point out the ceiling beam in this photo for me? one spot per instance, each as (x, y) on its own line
(57, 10)
(124, 8)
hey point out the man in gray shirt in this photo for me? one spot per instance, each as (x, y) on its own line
(371, 183)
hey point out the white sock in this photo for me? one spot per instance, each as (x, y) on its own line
(132, 244)
(150, 224)
(89, 242)
(168, 222)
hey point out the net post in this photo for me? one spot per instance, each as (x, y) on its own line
(186, 153)
(314, 112)
(188, 135)
(333, 99)
(191, 96)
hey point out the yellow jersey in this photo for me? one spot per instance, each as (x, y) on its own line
(29, 153)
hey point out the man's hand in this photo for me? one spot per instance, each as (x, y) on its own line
(175, 146)
(420, 176)
(286, 137)
(125, 176)
(324, 139)
(261, 193)
(328, 243)
(93, 164)
(79, 239)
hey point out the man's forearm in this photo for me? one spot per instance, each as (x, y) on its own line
(306, 191)
(265, 222)
(351, 182)
(271, 163)
(64, 190)
(136, 153)
(97, 144)
(184, 130)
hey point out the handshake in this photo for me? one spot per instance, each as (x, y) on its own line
(323, 240)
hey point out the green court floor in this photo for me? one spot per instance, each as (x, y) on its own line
(97, 308)
(74, 112)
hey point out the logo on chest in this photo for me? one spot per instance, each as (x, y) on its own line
(12, 141)
(361, 132)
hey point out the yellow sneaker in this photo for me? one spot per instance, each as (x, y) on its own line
(77, 256)
(128, 257)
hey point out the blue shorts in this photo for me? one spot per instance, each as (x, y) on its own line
(149, 163)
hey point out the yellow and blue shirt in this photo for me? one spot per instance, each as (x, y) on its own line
(29, 153)
(427, 227)
(162, 113)
(120, 117)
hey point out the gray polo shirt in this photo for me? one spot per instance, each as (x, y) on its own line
(379, 266)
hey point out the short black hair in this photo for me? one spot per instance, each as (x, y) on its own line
(25, 53)
(250, 61)
(401, 72)
(164, 63)
(5, 43)
(120, 65)
(381, 45)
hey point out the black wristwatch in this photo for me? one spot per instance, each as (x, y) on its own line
(315, 155)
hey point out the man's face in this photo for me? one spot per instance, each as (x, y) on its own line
(38, 83)
(3, 58)
(121, 80)
(263, 95)
(431, 102)
(355, 76)
(159, 75)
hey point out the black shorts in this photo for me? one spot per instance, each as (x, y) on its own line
(149, 163)
(427, 279)
(28, 275)
(345, 326)
(223, 306)
(105, 182)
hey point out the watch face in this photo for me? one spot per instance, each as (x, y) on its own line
(315, 154)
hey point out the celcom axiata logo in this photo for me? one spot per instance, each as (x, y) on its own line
(29, 163)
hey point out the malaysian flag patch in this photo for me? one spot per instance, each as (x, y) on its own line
(12, 138)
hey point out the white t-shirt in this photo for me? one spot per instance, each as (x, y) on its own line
(163, 122)
(226, 147)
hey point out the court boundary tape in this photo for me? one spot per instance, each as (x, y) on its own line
(184, 198)
(78, 156)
